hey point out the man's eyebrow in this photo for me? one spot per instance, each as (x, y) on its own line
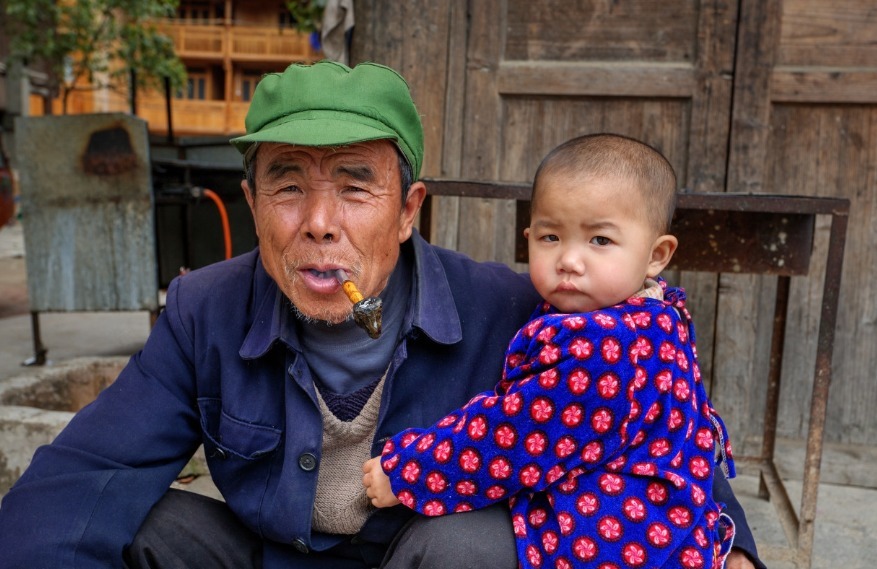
(361, 173)
(277, 170)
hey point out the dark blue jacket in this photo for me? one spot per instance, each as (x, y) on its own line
(223, 367)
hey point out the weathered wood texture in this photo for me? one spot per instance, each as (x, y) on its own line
(756, 95)
(804, 121)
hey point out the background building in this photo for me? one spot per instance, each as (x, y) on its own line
(226, 46)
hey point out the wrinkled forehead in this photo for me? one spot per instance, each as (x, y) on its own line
(379, 156)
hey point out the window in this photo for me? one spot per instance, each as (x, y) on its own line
(249, 80)
(196, 85)
(198, 12)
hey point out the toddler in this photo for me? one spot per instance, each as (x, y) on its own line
(600, 434)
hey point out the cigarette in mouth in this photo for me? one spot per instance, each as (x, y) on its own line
(347, 285)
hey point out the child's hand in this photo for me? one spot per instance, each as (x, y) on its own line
(377, 484)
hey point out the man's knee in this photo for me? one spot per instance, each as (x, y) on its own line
(188, 530)
(479, 539)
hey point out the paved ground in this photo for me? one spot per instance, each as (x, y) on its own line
(846, 515)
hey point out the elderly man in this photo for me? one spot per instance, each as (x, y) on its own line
(257, 359)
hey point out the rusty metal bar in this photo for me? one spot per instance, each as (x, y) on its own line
(778, 339)
(470, 189)
(822, 380)
(800, 212)
(768, 203)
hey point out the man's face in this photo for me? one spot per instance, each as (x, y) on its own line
(319, 209)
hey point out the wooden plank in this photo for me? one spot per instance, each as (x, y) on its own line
(616, 79)
(711, 98)
(482, 117)
(737, 383)
(815, 84)
(830, 149)
(402, 37)
(838, 34)
(707, 139)
(750, 116)
(560, 30)
(446, 211)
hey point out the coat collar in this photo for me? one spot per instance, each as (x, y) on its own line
(433, 311)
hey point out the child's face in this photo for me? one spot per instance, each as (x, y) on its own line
(590, 242)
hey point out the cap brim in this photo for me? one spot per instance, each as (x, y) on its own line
(315, 132)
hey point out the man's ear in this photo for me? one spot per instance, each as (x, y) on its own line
(413, 201)
(662, 251)
(247, 193)
(251, 201)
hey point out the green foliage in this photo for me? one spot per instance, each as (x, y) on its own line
(307, 15)
(100, 41)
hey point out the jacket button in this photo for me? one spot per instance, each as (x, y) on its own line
(300, 546)
(220, 454)
(307, 462)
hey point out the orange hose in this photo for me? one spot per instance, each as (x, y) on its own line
(226, 230)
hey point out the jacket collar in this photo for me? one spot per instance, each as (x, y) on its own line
(432, 311)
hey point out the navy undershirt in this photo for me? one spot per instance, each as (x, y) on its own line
(345, 362)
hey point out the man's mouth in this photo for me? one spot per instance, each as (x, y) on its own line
(322, 274)
(321, 280)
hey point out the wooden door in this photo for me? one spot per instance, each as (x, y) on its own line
(755, 95)
(804, 121)
(522, 76)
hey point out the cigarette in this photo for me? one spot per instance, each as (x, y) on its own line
(347, 285)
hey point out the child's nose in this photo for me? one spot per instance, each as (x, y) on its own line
(571, 262)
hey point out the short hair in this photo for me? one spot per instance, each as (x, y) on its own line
(605, 155)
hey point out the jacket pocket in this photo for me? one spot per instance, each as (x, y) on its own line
(231, 436)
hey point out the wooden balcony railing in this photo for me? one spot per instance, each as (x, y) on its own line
(241, 42)
(276, 44)
(196, 40)
(189, 116)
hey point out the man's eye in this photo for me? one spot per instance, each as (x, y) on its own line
(290, 189)
(600, 240)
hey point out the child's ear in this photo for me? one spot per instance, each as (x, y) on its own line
(662, 251)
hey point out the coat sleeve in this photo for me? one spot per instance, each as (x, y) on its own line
(550, 414)
(743, 538)
(84, 496)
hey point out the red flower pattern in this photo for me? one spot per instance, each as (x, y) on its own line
(607, 476)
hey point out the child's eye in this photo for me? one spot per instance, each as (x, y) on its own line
(600, 240)
(550, 238)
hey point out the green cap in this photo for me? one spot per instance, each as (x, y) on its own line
(330, 104)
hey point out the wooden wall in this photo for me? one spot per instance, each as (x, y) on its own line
(754, 95)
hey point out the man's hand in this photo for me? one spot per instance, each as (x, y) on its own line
(377, 484)
(738, 560)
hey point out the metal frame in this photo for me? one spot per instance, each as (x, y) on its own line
(752, 213)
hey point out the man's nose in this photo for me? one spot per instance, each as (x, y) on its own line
(321, 219)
